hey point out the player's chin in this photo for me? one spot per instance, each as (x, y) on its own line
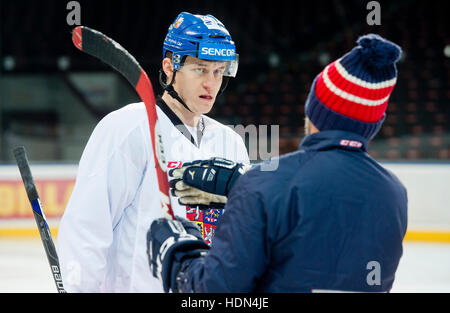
(204, 105)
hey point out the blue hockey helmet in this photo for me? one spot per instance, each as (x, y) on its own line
(203, 37)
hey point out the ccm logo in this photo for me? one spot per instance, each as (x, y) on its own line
(350, 143)
(219, 52)
(174, 164)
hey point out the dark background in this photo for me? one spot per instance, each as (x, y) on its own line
(282, 45)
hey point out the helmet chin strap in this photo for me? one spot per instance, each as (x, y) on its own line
(170, 90)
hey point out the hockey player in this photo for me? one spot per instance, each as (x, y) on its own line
(102, 234)
(329, 218)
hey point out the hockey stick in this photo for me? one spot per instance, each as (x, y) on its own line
(46, 236)
(110, 52)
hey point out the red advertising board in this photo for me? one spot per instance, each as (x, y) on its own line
(54, 195)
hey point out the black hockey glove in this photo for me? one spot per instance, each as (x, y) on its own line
(205, 183)
(169, 243)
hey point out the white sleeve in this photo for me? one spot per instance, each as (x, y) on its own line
(106, 184)
(242, 152)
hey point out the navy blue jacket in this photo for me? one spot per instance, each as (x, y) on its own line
(317, 222)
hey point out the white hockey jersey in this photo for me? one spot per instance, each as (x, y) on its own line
(102, 235)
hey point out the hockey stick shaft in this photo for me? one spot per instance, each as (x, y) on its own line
(44, 230)
(110, 52)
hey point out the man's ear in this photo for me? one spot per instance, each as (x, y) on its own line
(167, 67)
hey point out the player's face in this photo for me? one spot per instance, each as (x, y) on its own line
(309, 127)
(198, 83)
(306, 126)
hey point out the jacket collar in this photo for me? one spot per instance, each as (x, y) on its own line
(334, 139)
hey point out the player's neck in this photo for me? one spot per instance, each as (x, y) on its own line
(187, 117)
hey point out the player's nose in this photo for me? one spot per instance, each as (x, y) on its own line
(209, 81)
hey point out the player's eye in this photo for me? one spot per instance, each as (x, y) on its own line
(199, 70)
(219, 71)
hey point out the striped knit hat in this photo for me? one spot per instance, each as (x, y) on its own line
(352, 93)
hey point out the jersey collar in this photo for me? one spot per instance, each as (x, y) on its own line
(334, 139)
(180, 125)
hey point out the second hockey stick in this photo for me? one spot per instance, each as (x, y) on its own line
(110, 52)
(44, 230)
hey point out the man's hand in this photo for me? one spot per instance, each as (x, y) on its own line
(205, 183)
(169, 243)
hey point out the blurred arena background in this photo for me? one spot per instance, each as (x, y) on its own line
(52, 96)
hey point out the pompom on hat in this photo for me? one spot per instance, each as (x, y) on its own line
(352, 93)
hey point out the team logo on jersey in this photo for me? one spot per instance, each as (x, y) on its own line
(212, 216)
(206, 219)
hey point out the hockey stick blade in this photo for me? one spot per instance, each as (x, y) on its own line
(110, 52)
(44, 230)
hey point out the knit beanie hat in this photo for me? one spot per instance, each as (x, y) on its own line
(352, 93)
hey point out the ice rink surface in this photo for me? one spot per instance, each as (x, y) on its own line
(424, 268)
